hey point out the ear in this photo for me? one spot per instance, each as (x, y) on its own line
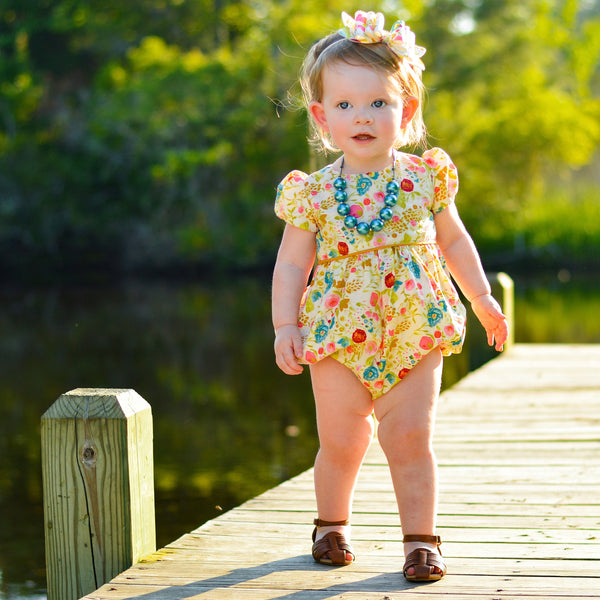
(411, 104)
(317, 112)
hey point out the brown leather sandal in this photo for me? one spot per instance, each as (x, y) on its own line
(424, 561)
(332, 549)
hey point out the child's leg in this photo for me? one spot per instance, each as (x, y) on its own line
(345, 426)
(406, 417)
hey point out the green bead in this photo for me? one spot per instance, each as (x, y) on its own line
(341, 196)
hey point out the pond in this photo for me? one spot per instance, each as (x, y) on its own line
(227, 423)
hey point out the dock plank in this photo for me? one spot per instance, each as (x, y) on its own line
(518, 445)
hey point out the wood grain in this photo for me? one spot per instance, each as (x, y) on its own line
(518, 444)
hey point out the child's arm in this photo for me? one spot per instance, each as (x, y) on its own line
(465, 265)
(295, 260)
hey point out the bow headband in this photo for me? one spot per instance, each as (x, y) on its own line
(367, 28)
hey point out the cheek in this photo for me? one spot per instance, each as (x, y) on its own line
(397, 118)
(336, 123)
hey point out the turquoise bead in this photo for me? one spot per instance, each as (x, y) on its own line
(390, 200)
(350, 222)
(377, 224)
(386, 213)
(363, 228)
(392, 187)
(339, 184)
(343, 209)
(341, 196)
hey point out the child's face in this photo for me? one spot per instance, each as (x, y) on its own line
(364, 112)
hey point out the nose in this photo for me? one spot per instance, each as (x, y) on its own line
(363, 115)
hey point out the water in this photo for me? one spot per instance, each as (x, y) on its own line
(227, 423)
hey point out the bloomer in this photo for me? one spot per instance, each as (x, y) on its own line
(378, 312)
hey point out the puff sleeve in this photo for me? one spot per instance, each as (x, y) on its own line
(445, 178)
(292, 203)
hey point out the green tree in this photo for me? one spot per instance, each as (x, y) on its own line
(513, 100)
(153, 132)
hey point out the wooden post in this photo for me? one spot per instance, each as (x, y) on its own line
(97, 469)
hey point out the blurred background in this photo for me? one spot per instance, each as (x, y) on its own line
(140, 146)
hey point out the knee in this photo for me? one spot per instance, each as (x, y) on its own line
(340, 445)
(405, 442)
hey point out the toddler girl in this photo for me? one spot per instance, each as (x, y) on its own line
(381, 310)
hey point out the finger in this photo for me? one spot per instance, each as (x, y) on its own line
(293, 368)
(297, 345)
(500, 343)
(288, 363)
(503, 331)
(283, 365)
(501, 335)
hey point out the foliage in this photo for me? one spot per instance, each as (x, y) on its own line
(515, 112)
(153, 132)
(560, 228)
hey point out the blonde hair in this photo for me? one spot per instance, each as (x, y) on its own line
(378, 55)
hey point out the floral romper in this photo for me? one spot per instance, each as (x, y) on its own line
(379, 302)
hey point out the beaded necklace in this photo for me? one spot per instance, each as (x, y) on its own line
(385, 214)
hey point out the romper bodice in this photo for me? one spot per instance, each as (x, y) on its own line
(427, 185)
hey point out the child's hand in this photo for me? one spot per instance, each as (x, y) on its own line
(288, 349)
(489, 313)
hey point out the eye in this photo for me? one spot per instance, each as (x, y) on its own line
(379, 103)
(344, 105)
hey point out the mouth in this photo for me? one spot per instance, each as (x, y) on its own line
(363, 137)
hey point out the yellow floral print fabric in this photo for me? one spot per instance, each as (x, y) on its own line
(377, 303)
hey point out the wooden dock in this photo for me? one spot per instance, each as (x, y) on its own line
(518, 444)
